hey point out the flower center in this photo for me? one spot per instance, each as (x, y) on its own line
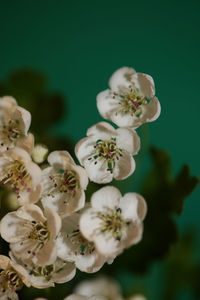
(39, 232)
(80, 245)
(65, 181)
(48, 271)
(108, 151)
(131, 101)
(9, 280)
(10, 132)
(113, 223)
(16, 176)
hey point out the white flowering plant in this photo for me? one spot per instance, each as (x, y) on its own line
(54, 226)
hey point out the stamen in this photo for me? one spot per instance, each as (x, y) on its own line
(112, 222)
(64, 181)
(9, 280)
(16, 176)
(108, 151)
(131, 101)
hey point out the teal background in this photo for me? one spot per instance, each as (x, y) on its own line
(78, 44)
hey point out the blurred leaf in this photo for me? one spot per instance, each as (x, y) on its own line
(165, 197)
(182, 270)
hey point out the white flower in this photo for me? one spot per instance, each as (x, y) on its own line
(31, 234)
(14, 123)
(45, 276)
(20, 174)
(114, 222)
(107, 153)
(72, 246)
(103, 286)
(79, 297)
(131, 100)
(12, 278)
(63, 184)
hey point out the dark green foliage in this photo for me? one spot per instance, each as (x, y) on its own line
(165, 197)
(30, 89)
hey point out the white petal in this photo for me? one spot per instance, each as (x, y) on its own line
(125, 120)
(31, 212)
(34, 171)
(82, 175)
(23, 117)
(30, 197)
(106, 104)
(144, 83)
(90, 263)
(107, 245)
(4, 260)
(98, 172)
(76, 297)
(47, 255)
(133, 206)
(53, 222)
(66, 274)
(151, 111)
(106, 197)
(84, 148)
(40, 282)
(7, 102)
(134, 235)
(60, 158)
(120, 78)
(89, 223)
(26, 143)
(128, 139)
(129, 207)
(12, 228)
(23, 274)
(124, 167)
(102, 130)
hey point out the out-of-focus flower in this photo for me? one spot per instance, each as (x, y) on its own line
(45, 276)
(79, 297)
(14, 123)
(113, 222)
(131, 100)
(31, 234)
(12, 278)
(39, 153)
(103, 286)
(20, 174)
(137, 297)
(63, 184)
(107, 153)
(72, 246)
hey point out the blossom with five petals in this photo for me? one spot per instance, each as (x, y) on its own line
(32, 234)
(20, 174)
(131, 100)
(63, 184)
(106, 153)
(113, 222)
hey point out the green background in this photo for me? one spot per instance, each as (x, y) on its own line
(78, 44)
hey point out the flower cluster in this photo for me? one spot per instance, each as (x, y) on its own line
(100, 288)
(56, 230)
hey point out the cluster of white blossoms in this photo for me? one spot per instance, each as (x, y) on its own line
(100, 288)
(56, 230)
